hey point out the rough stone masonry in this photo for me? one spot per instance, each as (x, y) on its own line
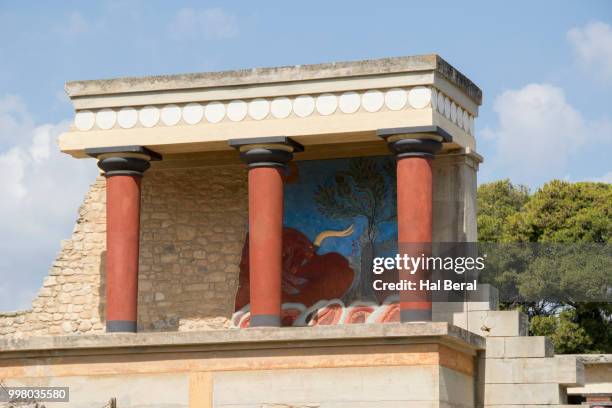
(193, 225)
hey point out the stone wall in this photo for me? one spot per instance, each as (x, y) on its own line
(193, 224)
(193, 228)
(69, 300)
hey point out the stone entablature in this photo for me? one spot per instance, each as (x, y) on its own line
(315, 104)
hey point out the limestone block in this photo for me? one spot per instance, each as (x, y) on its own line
(485, 298)
(495, 347)
(536, 346)
(565, 370)
(519, 347)
(521, 394)
(445, 312)
(494, 323)
(447, 307)
(338, 387)
(456, 388)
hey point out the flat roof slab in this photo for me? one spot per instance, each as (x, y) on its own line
(328, 105)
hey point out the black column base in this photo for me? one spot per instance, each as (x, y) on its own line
(120, 326)
(264, 321)
(415, 315)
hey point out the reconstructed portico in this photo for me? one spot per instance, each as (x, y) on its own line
(419, 105)
(223, 257)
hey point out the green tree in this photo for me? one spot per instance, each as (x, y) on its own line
(497, 202)
(550, 282)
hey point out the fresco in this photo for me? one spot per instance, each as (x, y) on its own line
(339, 214)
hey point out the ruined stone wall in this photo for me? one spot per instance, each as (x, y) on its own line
(69, 301)
(193, 224)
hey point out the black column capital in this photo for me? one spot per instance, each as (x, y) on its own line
(276, 151)
(416, 141)
(123, 160)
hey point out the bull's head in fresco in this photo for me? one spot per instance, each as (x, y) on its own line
(306, 276)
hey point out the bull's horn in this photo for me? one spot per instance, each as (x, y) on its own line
(331, 233)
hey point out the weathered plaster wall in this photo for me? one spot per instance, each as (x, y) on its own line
(193, 224)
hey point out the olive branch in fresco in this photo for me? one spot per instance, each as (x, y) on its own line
(364, 190)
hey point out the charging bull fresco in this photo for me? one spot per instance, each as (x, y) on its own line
(339, 214)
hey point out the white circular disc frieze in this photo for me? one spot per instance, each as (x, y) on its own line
(170, 115)
(127, 117)
(326, 104)
(84, 120)
(419, 97)
(396, 99)
(459, 117)
(303, 105)
(193, 113)
(453, 113)
(214, 112)
(466, 121)
(237, 110)
(281, 107)
(349, 102)
(447, 107)
(259, 108)
(106, 118)
(440, 103)
(148, 116)
(434, 99)
(372, 100)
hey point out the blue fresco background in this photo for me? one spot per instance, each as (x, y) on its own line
(303, 213)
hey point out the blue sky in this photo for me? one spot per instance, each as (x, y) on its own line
(545, 69)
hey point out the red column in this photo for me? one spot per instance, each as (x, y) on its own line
(123, 168)
(265, 244)
(267, 159)
(414, 228)
(122, 244)
(415, 149)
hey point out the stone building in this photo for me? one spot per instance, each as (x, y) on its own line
(221, 258)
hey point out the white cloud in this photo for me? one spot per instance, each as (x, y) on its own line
(592, 45)
(41, 191)
(212, 23)
(14, 119)
(12, 169)
(538, 133)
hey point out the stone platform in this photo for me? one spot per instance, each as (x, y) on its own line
(390, 365)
